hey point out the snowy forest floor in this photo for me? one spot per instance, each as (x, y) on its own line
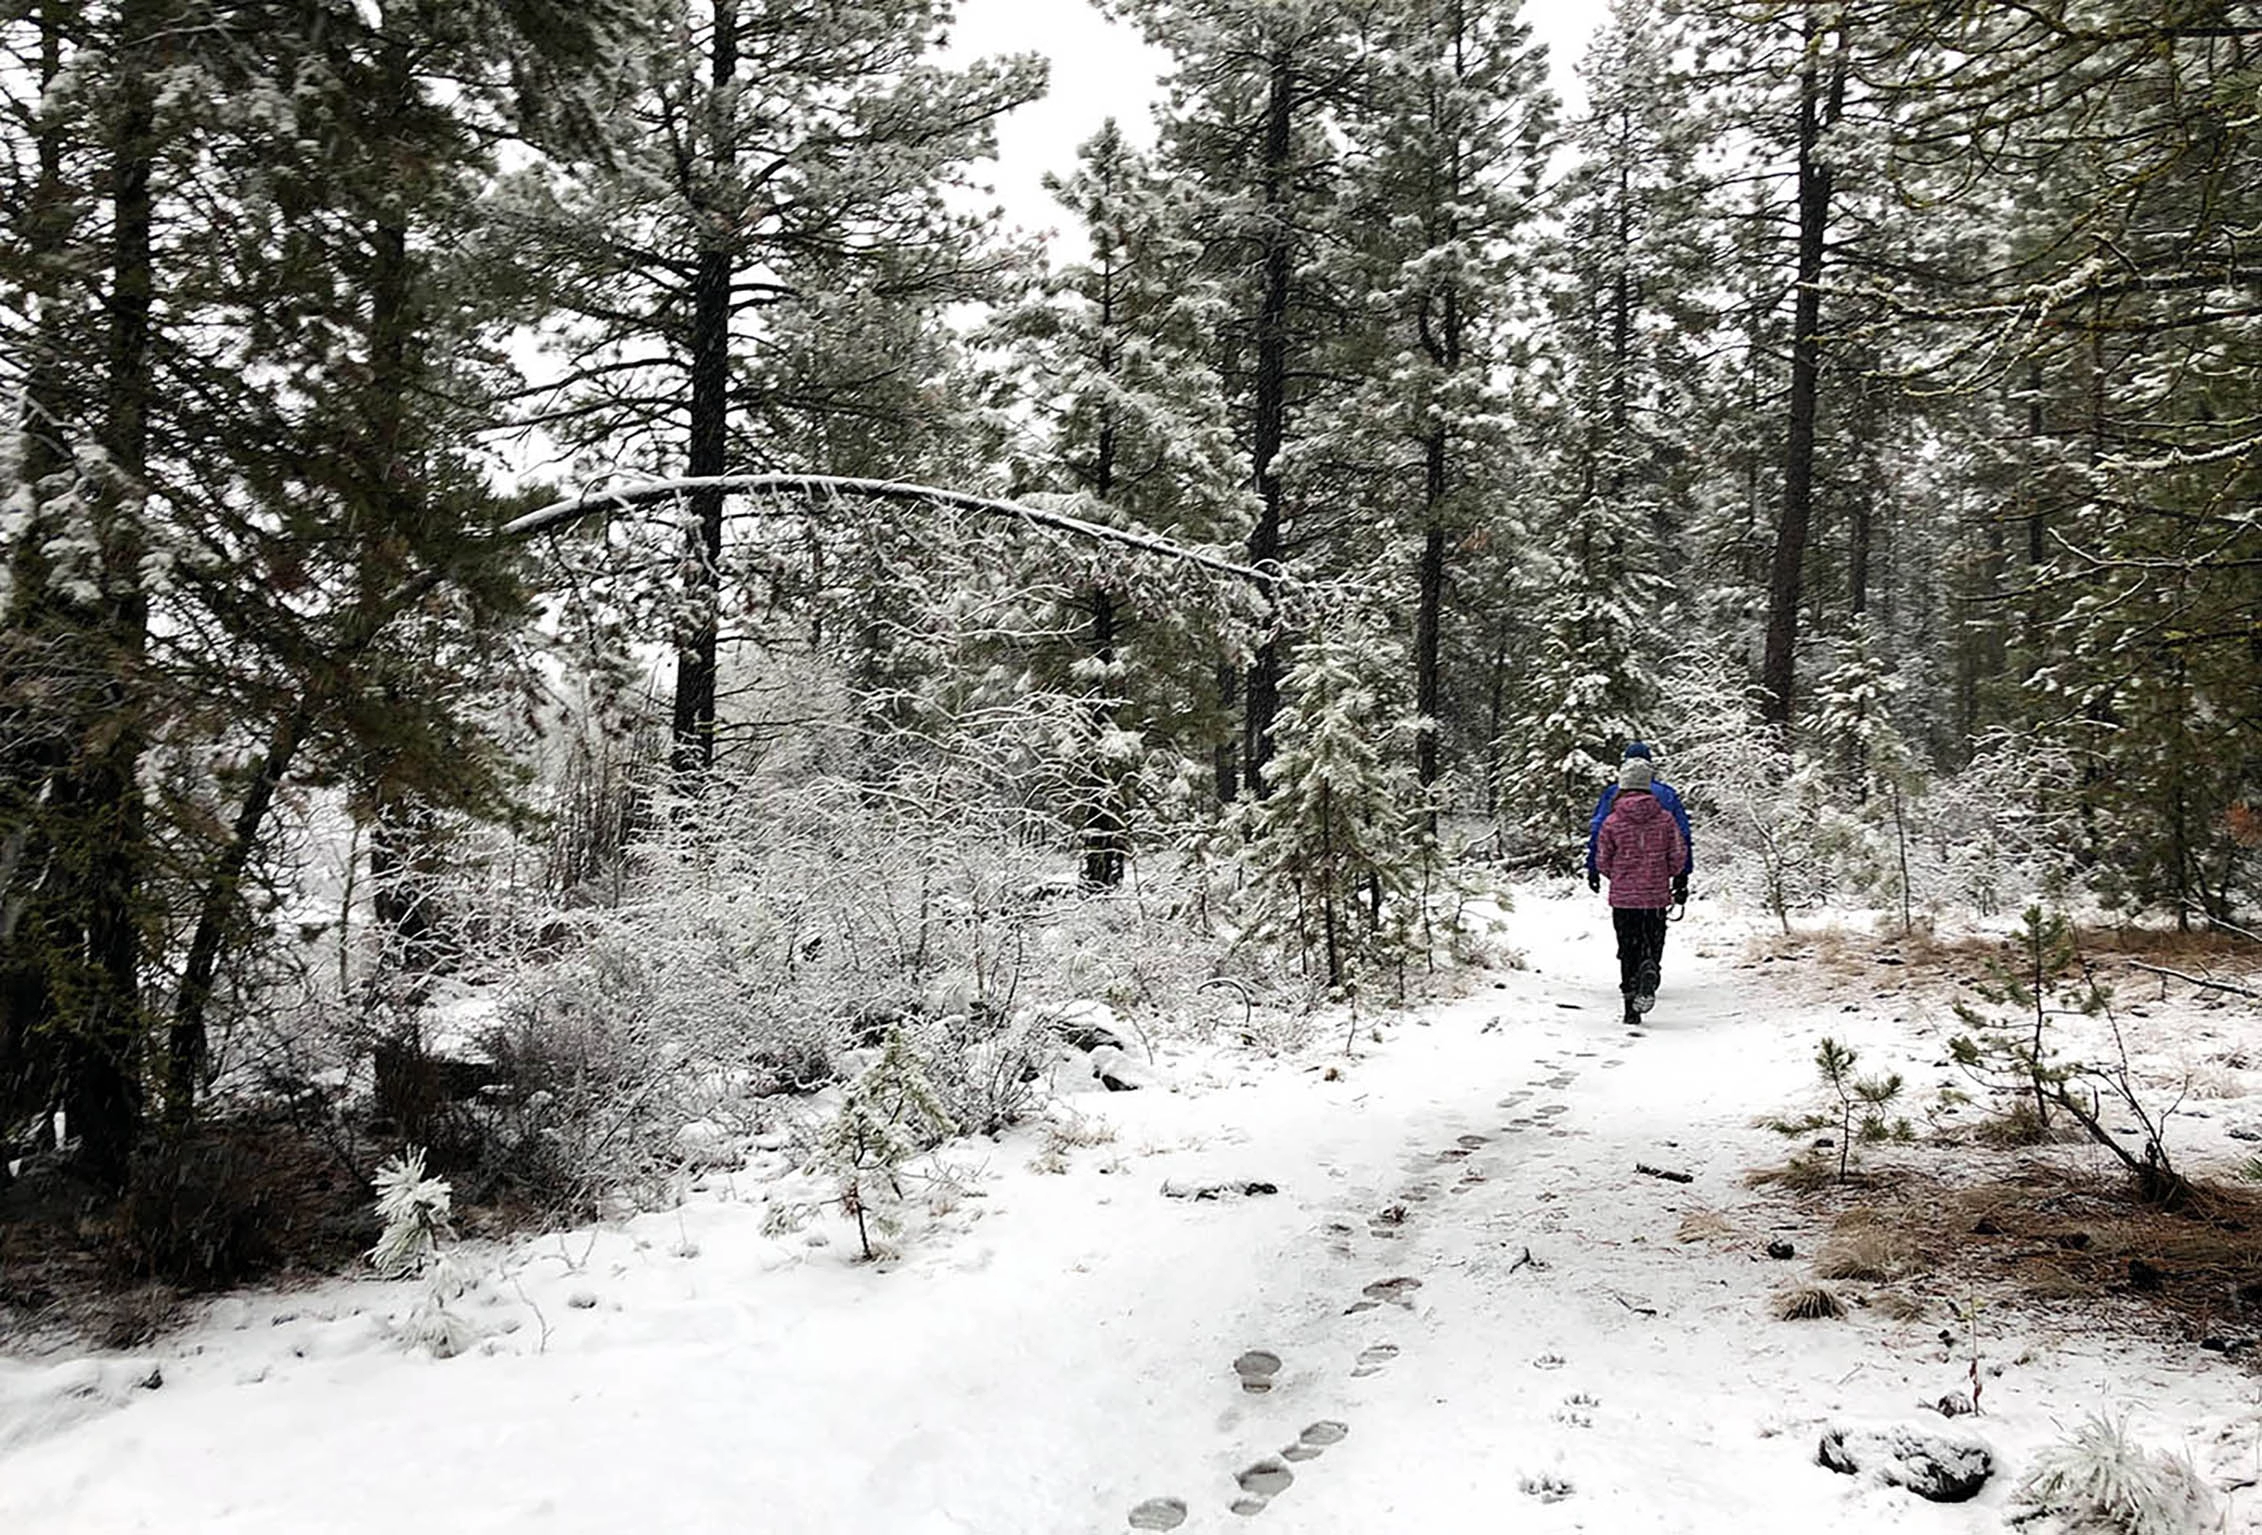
(1464, 1297)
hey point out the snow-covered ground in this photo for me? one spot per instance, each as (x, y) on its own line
(1482, 1314)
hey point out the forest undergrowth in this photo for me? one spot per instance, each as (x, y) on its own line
(1971, 1198)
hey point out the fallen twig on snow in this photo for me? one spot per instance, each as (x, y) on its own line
(1667, 1173)
(2196, 980)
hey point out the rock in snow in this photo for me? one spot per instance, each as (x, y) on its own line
(1944, 1465)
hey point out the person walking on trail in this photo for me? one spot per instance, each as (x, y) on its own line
(1673, 807)
(1641, 851)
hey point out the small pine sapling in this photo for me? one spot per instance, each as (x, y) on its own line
(415, 1211)
(1857, 1105)
(2099, 1479)
(888, 1115)
(2053, 980)
(2016, 1052)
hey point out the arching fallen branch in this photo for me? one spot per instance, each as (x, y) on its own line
(560, 513)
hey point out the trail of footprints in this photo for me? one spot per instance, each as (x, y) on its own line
(1267, 1478)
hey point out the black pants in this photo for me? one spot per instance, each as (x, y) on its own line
(1641, 940)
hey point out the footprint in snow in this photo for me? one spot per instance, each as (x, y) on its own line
(1257, 1368)
(1316, 1438)
(1159, 1514)
(1372, 1359)
(1261, 1483)
(1550, 1110)
(1382, 1291)
(1473, 1142)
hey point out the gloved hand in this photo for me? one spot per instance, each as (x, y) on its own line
(1594, 882)
(1680, 890)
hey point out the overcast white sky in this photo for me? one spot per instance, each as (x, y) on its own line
(1101, 69)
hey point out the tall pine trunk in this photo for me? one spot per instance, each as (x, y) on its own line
(1265, 539)
(693, 716)
(1818, 108)
(1103, 829)
(105, 815)
(35, 747)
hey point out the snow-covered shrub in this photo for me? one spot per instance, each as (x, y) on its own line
(1848, 807)
(415, 1211)
(888, 1115)
(2099, 1480)
(989, 1073)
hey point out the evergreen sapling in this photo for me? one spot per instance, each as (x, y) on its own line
(415, 1211)
(888, 1115)
(1857, 1105)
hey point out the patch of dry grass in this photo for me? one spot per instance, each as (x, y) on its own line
(1864, 1252)
(2037, 1232)
(1809, 1303)
(1806, 1173)
(1705, 1226)
(1899, 1306)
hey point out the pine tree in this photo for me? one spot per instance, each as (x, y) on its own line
(1117, 351)
(765, 228)
(1253, 101)
(241, 526)
(1448, 138)
(888, 1114)
(1337, 855)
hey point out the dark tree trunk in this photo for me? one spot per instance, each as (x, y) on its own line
(104, 1066)
(1817, 109)
(1103, 830)
(1226, 759)
(35, 747)
(692, 722)
(1271, 426)
(1428, 613)
(187, 1049)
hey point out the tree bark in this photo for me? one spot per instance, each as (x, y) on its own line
(692, 721)
(1818, 103)
(103, 1061)
(1271, 425)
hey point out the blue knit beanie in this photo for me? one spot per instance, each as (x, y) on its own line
(1637, 749)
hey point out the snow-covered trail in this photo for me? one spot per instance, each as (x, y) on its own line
(1476, 1301)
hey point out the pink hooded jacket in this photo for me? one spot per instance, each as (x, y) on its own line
(1640, 850)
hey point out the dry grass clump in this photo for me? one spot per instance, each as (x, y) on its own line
(1806, 1173)
(1809, 1303)
(1705, 1226)
(2219, 1082)
(1899, 1306)
(1865, 1254)
(1071, 1131)
(2014, 1124)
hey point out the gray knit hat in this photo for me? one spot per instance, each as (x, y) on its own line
(1634, 773)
